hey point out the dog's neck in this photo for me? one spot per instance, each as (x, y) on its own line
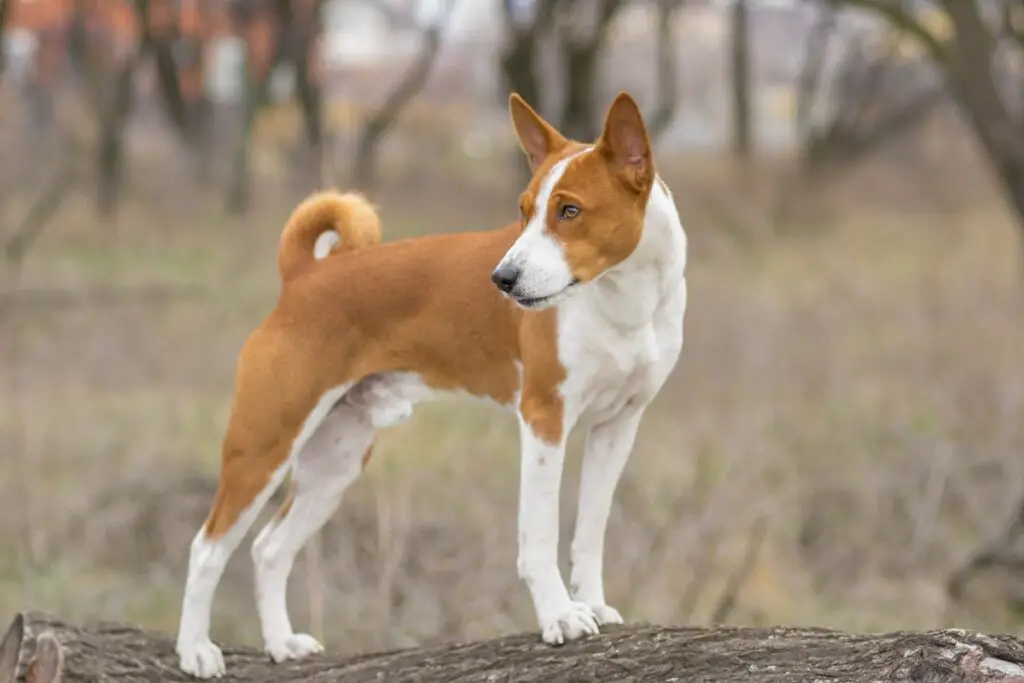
(629, 294)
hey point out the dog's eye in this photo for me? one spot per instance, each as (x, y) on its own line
(568, 211)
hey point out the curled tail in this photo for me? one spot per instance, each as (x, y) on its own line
(323, 223)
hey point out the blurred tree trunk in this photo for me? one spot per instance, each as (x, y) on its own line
(581, 48)
(526, 24)
(742, 134)
(256, 21)
(5, 10)
(364, 166)
(160, 36)
(307, 81)
(973, 74)
(977, 76)
(306, 46)
(667, 83)
(113, 116)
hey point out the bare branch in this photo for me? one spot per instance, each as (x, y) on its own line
(898, 16)
(41, 212)
(434, 16)
(813, 66)
(377, 126)
(742, 573)
(1000, 551)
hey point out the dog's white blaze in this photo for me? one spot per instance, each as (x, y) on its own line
(325, 244)
(541, 259)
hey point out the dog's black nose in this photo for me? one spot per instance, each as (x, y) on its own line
(505, 277)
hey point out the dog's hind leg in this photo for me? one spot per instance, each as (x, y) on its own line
(270, 421)
(326, 465)
(246, 483)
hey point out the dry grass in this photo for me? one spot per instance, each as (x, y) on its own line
(853, 377)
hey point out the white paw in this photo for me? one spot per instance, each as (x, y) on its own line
(295, 646)
(606, 614)
(577, 621)
(201, 658)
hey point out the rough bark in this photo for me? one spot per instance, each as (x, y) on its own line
(116, 653)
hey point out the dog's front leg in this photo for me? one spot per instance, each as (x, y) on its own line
(607, 449)
(560, 618)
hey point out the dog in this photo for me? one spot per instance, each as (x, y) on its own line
(573, 315)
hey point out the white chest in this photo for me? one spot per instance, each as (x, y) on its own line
(609, 366)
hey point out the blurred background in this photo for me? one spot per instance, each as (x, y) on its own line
(841, 442)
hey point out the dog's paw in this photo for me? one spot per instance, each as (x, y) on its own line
(606, 614)
(295, 646)
(201, 658)
(577, 621)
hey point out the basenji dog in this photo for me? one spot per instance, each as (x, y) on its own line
(572, 315)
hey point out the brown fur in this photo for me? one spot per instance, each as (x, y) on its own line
(610, 186)
(349, 214)
(372, 310)
(423, 305)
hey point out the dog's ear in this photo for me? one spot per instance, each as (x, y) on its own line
(537, 137)
(624, 141)
(47, 665)
(10, 648)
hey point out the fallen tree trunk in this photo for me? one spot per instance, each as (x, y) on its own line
(116, 653)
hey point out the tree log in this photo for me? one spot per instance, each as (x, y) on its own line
(116, 652)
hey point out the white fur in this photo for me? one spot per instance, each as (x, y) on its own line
(326, 457)
(539, 484)
(330, 461)
(544, 272)
(197, 653)
(618, 338)
(325, 244)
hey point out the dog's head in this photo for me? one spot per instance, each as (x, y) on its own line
(583, 211)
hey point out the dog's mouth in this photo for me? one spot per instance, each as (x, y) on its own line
(542, 301)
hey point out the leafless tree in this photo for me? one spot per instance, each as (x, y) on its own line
(527, 22)
(579, 29)
(296, 26)
(975, 60)
(873, 96)
(668, 79)
(376, 127)
(582, 28)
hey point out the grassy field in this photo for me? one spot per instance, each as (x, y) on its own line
(852, 380)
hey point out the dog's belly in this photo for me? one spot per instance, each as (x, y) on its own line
(390, 397)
